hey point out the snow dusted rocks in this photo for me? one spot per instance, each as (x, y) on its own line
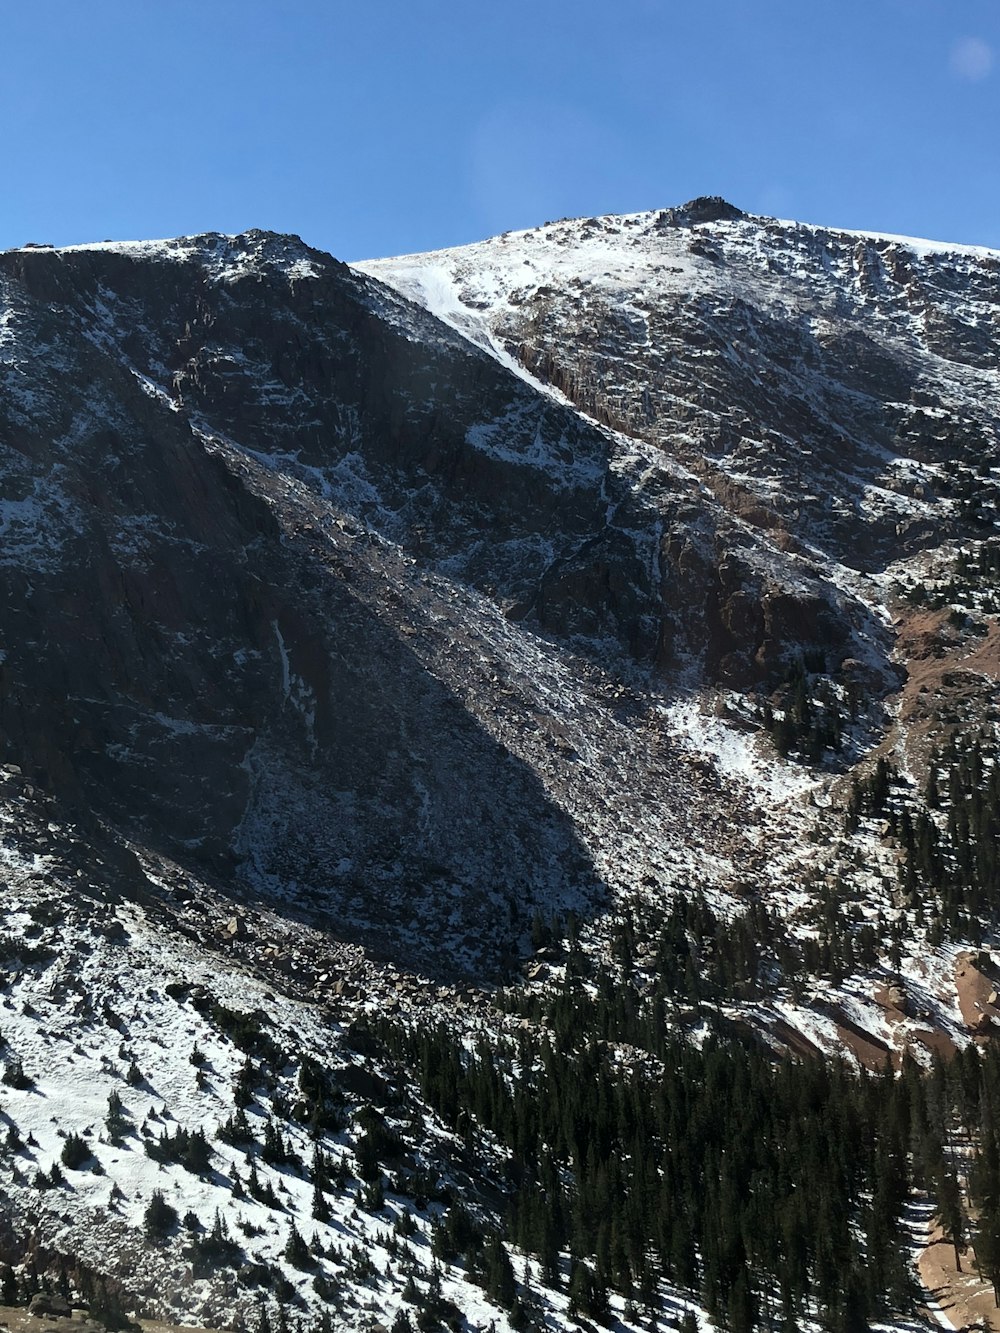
(290, 563)
(384, 612)
(822, 384)
(356, 621)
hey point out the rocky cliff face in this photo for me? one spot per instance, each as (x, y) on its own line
(832, 393)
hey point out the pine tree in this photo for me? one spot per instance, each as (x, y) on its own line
(320, 1207)
(160, 1217)
(949, 1198)
(297, 1252)
(986, 1241)
(75, 1152)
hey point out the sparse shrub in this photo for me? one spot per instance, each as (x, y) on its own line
(374, 1196)
(189, 1148)
(361, 1266)
(275, 1151)
(258, 1275)
(236, 1131)
(376, 1144)
(160, 1217)
(115, 1121)
(75, 1152)
(216, 1249)
(262, 1192)
(324, 1101)
(326, 1288)
(245, 1031)
(246, 1081)
(320, 1207)
(15, 1077)
(456, 1234)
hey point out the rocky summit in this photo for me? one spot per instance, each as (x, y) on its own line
(430, 651)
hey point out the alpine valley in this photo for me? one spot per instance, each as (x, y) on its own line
(499, 803)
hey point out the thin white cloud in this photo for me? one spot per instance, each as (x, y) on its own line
(532, 160)
(776, 201)
(971, 59)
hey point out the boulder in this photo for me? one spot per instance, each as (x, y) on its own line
(46, 1306)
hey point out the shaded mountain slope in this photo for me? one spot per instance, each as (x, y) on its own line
(185, 654)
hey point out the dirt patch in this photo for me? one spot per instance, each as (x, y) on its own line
(977, 997)
(870, 1051)
(986, 658)
(892, 1000)
(897, 1007)
(963, 1297)
(938, 1043)
(951, 679)
(925, 636)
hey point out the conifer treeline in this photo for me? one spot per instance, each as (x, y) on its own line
(770, 1190)
(665, 959)
(962, 862)
(950, 840)
(805, 717)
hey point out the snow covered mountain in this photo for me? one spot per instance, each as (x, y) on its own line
(820, 383)
(412, 639)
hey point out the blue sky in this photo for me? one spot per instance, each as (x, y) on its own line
(388, 126)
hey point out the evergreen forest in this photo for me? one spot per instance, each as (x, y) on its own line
(772, 1191)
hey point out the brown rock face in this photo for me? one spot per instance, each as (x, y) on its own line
(746, 626)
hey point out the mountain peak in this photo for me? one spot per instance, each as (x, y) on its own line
(706, 208)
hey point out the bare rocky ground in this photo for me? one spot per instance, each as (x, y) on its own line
(962, 1298)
